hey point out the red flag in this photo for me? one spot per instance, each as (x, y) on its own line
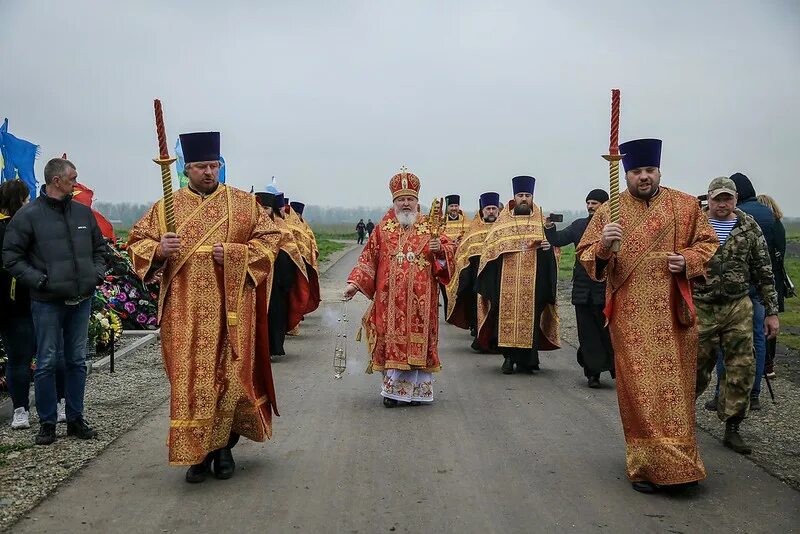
(85, 196)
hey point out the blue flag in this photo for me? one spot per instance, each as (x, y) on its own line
(181, 165)
(16, 158)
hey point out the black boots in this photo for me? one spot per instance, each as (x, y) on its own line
(198, 472)
(80, 429)
(47, 434)
(733, 440)
(224, 465)
(594, 381)
(508, 366)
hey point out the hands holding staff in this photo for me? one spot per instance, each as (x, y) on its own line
(435, 246)
(170, 244)
(611, 232)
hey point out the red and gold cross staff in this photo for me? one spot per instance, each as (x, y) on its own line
(165, 161)
(613, 157)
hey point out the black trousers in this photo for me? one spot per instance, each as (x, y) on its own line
(596, 354)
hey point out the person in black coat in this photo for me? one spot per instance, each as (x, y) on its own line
(54, 246)
(778, 270)
(595, 353)
(16, 323)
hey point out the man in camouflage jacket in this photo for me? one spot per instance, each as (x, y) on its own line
(724, 309)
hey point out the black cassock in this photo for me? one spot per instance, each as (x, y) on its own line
(488, 285)
(283, 279)
(595, 353)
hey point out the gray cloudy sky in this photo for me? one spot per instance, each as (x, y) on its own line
(333, 97)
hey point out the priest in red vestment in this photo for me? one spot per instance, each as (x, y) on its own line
(399, 270)
(666, 242)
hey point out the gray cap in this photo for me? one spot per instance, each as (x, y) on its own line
(721, 185)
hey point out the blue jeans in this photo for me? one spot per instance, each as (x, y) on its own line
(759, 343)
(57, 325)
(759, 346)
(20, 345)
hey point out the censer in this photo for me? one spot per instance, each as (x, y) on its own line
(340, 345)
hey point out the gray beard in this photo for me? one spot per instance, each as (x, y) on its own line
(406, 218)
(490, 219)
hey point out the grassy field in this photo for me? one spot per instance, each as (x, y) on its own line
(327, 247)
(790, 319)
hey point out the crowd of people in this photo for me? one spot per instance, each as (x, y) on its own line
(664, 289)
(217, 338)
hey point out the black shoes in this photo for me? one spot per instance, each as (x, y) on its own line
(733, 440)
(47, 434)
(711, 404)
(80, 429)
(508, 366)
(646, 487)
(650, 487)
(477, 347)
(594, 381)
(224, 466)
(389, 403)
(198, 472)
(755, 404)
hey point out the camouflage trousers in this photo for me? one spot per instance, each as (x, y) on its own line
(728, 327)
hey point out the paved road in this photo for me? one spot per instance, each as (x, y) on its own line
(494, 453)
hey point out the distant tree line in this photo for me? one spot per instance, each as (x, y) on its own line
(121, 214)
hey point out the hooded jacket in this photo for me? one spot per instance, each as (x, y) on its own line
(747, 203)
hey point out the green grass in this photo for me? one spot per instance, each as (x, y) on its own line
(327, 247)
(566, 263)
(790, 319)
(335, 231)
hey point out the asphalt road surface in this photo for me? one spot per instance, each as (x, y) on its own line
(493, 453)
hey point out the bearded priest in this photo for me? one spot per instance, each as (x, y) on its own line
(399, 271)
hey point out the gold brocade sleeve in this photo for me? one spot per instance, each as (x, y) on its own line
(445, 263)
(590, 249)
(702, 241)
(364, 274)
(262, 247)
(143, 242)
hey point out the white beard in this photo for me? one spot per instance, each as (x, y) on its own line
(406, 218)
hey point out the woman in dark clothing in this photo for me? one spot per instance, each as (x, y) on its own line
(16, 323)
(779, 233)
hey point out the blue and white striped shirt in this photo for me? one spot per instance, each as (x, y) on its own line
(723, 228)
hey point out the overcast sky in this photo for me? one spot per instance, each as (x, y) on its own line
(333, 97)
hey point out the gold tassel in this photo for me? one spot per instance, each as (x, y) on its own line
(369, 367)
(358, 334)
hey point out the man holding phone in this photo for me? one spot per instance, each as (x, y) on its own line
(595, 353)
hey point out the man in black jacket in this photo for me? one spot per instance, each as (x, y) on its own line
(595, 353)
(54, 247)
